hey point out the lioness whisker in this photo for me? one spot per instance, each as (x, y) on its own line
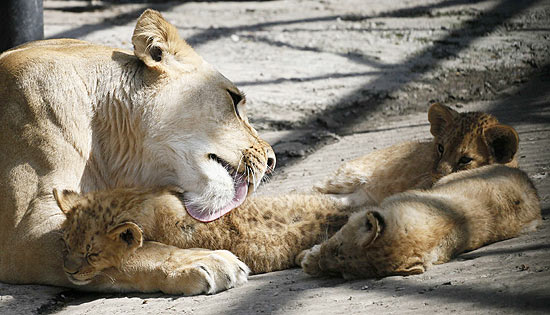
(239, 164)
(254, 180)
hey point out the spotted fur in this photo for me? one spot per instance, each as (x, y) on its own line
(266, 233)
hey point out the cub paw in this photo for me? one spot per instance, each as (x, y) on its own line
(209, 272)
(309, 260)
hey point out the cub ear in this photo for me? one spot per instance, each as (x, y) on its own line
(66, 199)
(373, 225)
(129, 233)
(155, 39)
(440, 117)
(503, 142)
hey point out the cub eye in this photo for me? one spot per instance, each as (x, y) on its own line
(66, 248)
(236, 98)
(465, 160)
(92, 258)
(440, 148)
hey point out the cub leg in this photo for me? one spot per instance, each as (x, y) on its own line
(309, 260)
(159, 267)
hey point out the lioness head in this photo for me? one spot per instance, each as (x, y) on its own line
(92, 244)
(193, 123)
(469, 140)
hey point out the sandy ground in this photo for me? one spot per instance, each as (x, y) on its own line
(331, 80)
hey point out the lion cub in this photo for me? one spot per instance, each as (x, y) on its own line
(104, 228)
(461, 141)
(103, 242)
(410, 231)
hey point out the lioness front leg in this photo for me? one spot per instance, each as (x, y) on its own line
(159, 267)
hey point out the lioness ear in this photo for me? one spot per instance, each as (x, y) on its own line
(440, 116)
(155, 39)
(374, 224)
(128, 233)
(66, 199)
(503, 142)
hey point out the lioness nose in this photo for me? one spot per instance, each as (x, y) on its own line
(271, 161)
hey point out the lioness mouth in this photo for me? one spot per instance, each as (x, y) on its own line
(240, 185)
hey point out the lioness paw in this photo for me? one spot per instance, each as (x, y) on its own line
(224, 270)
(208, 273)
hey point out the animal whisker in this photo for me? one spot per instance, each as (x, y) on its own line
(106, 275)
(239, 164)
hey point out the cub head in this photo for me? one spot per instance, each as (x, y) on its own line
(355, 246)
(193, 123)
(93, 242)
(469, 140)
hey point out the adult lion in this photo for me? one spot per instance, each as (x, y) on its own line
(85, 117)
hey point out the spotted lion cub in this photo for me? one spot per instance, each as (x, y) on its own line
(461, 141)
(410, 231)
(103, 243)
(104, 230)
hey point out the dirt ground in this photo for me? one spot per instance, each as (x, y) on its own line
(331, 80)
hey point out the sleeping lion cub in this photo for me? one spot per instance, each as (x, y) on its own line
(104, 229)
(461, 141)
(410, 231)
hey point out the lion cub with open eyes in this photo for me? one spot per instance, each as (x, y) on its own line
(461, 141)
(410, 231)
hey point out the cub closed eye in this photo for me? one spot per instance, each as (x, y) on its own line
(91, 258)
(465, 160)
(440, 148)
(66, 248)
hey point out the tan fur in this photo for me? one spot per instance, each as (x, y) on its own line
(85, 117)
(265, 232)
(416, 165)
(410, 231)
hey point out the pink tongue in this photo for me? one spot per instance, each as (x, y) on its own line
(241, 190)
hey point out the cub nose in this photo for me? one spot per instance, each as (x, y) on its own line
(444, 168)
(71, 265)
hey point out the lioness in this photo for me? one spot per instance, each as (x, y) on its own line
(410, 231)
(86, 117)
(461, 141)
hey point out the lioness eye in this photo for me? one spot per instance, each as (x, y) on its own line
(236, 98)
(440, 148)
(465, 160)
